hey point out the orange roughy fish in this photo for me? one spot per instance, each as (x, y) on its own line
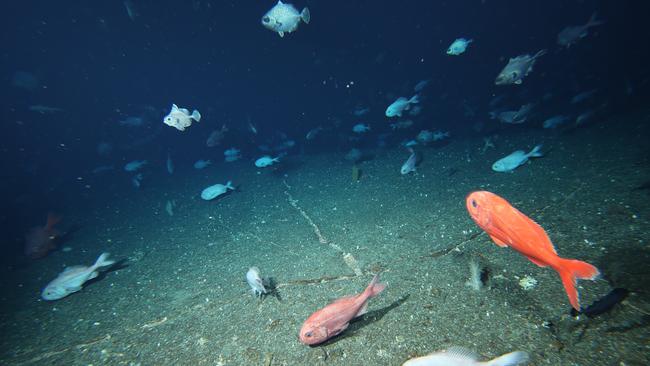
(508, 227)
(335, 317)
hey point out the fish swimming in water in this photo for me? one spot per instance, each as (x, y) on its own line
(517, 68)
(458, 46)
(573, 34)
(180, 118)
(284, 18)
(508, 227)
(400, 105)
(335, 317)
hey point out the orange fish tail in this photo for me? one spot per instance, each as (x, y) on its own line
(571, 270)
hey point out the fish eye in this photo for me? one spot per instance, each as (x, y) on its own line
(474, 204)
(514, 74)
(266, 19)
(308, 334)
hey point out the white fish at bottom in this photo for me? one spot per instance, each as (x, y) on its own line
(517, 158)
(72, 278)
(457, 356)
(409, 164)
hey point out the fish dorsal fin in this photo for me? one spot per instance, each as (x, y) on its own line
(344, 298)
(498, 241)
(461, 353)
(72, 268)
(174, 107)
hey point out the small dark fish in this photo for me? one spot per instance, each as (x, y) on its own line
(604, 304)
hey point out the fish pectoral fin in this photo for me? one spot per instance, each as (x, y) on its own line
(363, 310)
(498, 242)
(281, 33)
(537, 262)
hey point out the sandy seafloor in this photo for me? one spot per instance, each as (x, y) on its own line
(179, 295)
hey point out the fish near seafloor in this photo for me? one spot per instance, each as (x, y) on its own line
(514, 160)
(265, 161)
(457, 356)
(508, 227)
(216, 190)
(180, 118)
(41, 240)
(72, 278)
(517, 68)
(284, 18)
(335, 317)
(409, 164)
(255, 281)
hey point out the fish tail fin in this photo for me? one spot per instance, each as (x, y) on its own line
(414, 99)
(375, 288)
(509, 359)
(277, 158)
(229, 185)
(571, 270)
(540, 53)
(103, 261)
(305, 15)
(536, 152)
(196, 115)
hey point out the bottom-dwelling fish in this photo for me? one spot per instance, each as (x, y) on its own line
(457, 356)
(335, 317)
(508, 227)
(72, 278)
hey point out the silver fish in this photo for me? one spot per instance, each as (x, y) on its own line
(517, 68)
(284, 18)
(409, 164)
(573, 34)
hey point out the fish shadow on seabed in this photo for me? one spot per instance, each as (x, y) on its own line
(362, 321)
(286, 165)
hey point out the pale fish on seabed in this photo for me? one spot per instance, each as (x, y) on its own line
(284, 18)
(265, 161)
(458, 46)
(216, 190)
(409, 164)
(514, 160)
(457, 356)
(256, 282)
(72, 278)
(517, 68)
(180, 118)
(400, 105)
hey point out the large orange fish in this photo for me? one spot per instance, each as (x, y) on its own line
(508, 227)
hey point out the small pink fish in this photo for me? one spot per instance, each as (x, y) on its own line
(335, 317)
